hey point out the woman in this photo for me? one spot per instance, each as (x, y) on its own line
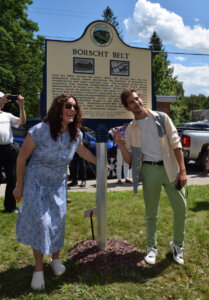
(50, 145)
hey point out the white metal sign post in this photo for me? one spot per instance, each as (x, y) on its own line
(101, 152)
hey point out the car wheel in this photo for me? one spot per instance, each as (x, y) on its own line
(203, 160)
(112, 172)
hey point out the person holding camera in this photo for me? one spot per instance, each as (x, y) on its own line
(8, 149)
(153, 139)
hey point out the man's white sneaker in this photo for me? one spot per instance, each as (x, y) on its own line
(177, 253)
(151, 254)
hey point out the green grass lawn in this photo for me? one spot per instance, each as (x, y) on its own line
(165, 280)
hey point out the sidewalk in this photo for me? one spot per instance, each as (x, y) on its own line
(193, 179)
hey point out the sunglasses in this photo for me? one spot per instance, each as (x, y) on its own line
(69, 106)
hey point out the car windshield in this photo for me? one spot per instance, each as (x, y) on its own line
(195, 125)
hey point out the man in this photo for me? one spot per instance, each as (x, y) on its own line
(153, 138)
(9, 149)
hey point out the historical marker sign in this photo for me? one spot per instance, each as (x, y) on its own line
(95, 69)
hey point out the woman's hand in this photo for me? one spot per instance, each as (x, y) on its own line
(17, 192)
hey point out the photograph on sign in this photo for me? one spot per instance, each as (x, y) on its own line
(83, 65)
(118, 67)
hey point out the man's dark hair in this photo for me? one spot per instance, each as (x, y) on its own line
(54, 117)
(127, 93)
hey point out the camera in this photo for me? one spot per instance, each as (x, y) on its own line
(178, 185)
(12, 97)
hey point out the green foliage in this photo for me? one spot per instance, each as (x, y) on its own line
(168, 85)
(108, 16)
(21, 55)
(180, 110)
(165, 280)
(196, 102)
(165, 84)
(155, 44)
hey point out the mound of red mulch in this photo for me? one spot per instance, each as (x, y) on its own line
(117, 254)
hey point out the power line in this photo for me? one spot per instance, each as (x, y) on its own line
(72, 13)
(67, 15)
(58, 37)
(42, 10)
(23, 42)
(155, 51)
(182, 53)
(21, 90)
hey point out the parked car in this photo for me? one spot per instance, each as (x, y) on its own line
(194, 125)
(89, 141)
(195, 142)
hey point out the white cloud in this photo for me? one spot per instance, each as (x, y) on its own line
(170, 27)
(195, 78)
(179, 58)
(196, 19)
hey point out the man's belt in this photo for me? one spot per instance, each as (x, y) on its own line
(5, 145)
(154, 163)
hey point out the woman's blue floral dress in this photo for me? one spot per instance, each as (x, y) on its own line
(41, 224)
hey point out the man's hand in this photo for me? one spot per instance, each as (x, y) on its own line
(118, 138)
(20, 101)
(4, 99)
(182, 177)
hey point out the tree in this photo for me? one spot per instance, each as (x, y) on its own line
(21, 55)
(155, 44)
(164, 82)
(109, 17)
(181, 109)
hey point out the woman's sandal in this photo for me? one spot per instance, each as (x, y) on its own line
(37, 282)
(57, 267)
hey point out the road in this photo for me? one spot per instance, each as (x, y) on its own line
(194, 178)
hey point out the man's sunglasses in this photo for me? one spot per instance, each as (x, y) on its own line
(69, 106)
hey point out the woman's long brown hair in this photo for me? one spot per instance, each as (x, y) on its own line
(54, 117)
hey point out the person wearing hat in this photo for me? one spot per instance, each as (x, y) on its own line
(8, 149)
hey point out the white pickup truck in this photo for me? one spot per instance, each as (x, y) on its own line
(195, 142)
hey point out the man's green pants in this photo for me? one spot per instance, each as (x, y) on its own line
(153, 178)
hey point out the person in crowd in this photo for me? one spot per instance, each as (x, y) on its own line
(152, 138)
(121, 164)
(42, 182)
(77, 168)
(8, 148)
(2, 176)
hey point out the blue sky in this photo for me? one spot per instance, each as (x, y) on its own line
(183, 26)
